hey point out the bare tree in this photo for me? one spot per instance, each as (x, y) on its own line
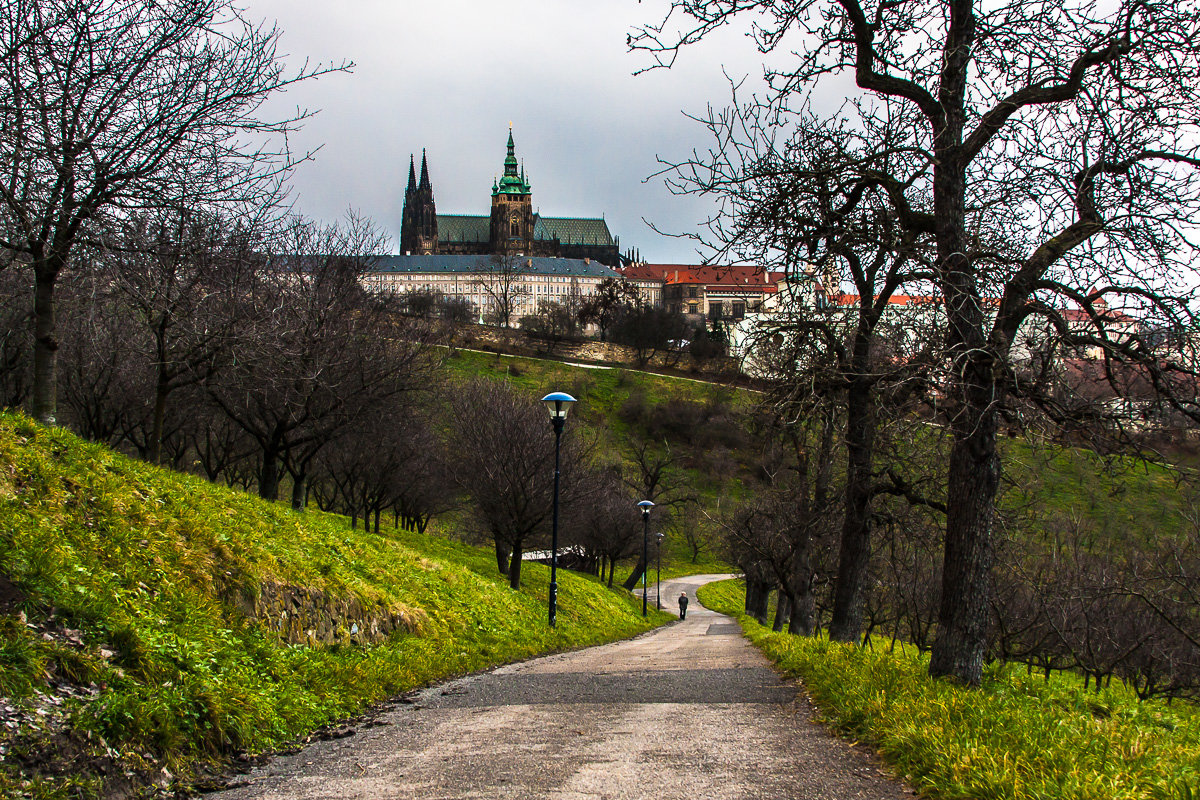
(501, 280)
(603, 306)
(505, 449)
(653, 473)
(106, 107)
(1069, 128)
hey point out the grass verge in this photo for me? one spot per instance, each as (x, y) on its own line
(1018, 737)
(141, 610)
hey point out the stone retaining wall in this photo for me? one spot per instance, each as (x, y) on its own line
(302, 615)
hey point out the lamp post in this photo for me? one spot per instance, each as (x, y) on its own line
(558, 404)
(658, 572)
(645, 506)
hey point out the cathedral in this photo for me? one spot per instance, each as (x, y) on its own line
(513, 228)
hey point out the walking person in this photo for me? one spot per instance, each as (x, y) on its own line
(683, 601)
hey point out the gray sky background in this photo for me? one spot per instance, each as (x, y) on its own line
(449, 76)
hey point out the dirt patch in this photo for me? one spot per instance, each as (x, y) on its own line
(10, 596)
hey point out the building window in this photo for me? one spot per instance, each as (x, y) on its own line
(739, 310)
(693, 291)
(716, 309)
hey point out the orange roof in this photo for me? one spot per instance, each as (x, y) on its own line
(894, 300)
(741, 275)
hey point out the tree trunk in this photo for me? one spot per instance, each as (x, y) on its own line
(45, 346)
(268, 479)
(802, 610)
(514, 568)
(781, 611)
(974, 477)
(632, 581)
(855, 554)
(502, 553)
(300, 493)
(758, 599)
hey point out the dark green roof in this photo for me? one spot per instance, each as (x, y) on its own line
(463, 228)
(570, 230)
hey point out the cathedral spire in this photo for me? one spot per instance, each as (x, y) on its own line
(424, 172)
(412, 174)
(510, 162)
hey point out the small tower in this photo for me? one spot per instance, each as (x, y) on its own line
(511, 229)
(418, 222)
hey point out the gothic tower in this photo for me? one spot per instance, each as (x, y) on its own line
(418, 222)
(511, 229)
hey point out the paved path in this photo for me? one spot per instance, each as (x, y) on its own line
(688, 712)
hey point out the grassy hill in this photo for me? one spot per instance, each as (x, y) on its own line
(153, 625)
(1018, 737)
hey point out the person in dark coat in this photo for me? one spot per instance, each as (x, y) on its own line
(683, 601)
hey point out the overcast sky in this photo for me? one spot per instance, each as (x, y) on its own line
(449, 76)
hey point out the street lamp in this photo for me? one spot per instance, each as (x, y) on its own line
(645, 506)
(558, 404)
(658, 572)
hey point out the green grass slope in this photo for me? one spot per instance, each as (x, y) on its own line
(131, 647)
(1018, 737)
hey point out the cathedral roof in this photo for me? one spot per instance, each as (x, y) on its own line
(571, 230)
(568, 230)
(463, 228)
(473, 265)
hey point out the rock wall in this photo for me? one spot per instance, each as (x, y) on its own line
(302, 615)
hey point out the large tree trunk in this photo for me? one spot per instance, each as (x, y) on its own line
(974, 477)
(45, 346)
(854, 557)
(974, 469)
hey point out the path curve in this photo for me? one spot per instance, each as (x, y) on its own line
(690, 711)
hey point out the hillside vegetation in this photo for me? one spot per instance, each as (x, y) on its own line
(152, 624)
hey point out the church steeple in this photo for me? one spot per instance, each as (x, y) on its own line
(512, 224)
(412, 177)
(425, 172)
(513, 182)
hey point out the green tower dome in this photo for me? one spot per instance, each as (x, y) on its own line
(513, 181)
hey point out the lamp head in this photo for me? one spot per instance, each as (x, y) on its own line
(558, 403)
(645, 506)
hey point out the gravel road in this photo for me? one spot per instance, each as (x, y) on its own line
(687, 712)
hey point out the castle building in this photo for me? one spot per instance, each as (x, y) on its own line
(512, 229)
